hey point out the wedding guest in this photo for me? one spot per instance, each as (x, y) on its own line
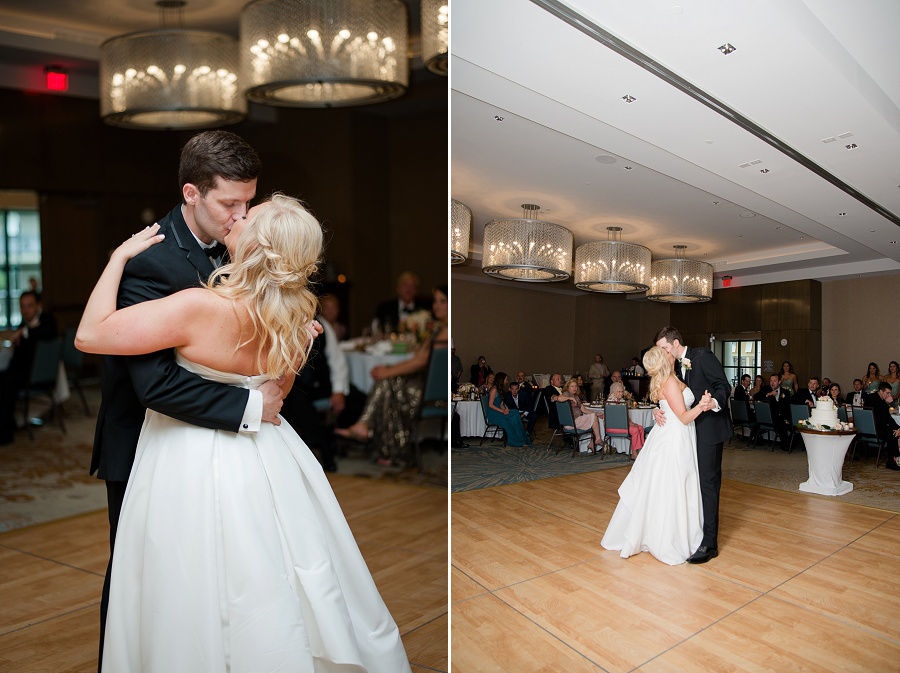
(488, 382)
(524, 384)
(778, 401)
(617, 394)
(885, 426)
(809, 394)
(834, 392)
(824, 388)
(598, 373)
(858, 397)
(636, 369)
(499, 414)
(581, 389)
(550, 393)
(741, 390)
(330, 308)
(788, 379)
(513, 397)
(893, 377)
(393, 311)
(479, 372)
(585, 419)
(615, 377)
(456, 368)
(757, 386)
(872, 378)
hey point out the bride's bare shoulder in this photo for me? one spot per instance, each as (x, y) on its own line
(671, 388)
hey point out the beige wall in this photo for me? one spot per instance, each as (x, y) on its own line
(856, 327)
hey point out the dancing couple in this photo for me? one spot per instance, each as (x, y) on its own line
(669, 503)
(229, 551)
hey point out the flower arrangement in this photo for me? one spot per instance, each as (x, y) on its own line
(418, 323)
(466, 388)
(806, 425)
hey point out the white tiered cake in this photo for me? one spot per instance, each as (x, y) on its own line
(825, 413)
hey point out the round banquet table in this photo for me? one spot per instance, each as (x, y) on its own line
(825, 452)
(361, 364)
(643, 417)
(471, 418)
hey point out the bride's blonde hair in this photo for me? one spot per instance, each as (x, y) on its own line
(660, 369)
(274, 257)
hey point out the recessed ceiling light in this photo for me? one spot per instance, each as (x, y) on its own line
(629, 168)
(764, 170)
(778, 227)
(605, 159)
(845, 134)
(829, 140)
(709, 142)
(726, 48)
(715, 203)
(748, 215)
(498, 118)
(851, 146)
(871, 231)
(893, 242)
(842, 214)
(628, 99)
(802, 237)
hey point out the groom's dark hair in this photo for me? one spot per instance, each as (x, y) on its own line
(217, 154)
(669, 334)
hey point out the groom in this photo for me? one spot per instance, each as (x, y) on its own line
(701, 371)
(217, 173)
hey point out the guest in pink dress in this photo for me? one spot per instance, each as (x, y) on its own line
(585, 419)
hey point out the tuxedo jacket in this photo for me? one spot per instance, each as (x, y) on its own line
(132, 384)
(524, 403)
(553, 419)
(388, 312)
(706, 374)
(22, 359)
(781, 408)
(884, 423)
(740, 393)
(854, 401)
(803, 397)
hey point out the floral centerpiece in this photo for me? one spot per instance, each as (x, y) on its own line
(419, 324)
(822, 427)
(466, 390)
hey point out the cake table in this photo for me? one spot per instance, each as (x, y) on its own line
(825, 451)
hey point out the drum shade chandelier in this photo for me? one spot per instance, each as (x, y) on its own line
(527, 249)
(612, 265)
(680, 280)
(171, 78)
(460, 227)
(435, 28)
(324, 53)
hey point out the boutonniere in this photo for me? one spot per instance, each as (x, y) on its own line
(685, 363)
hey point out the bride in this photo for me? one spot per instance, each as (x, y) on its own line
(660, 508)
(232, 552)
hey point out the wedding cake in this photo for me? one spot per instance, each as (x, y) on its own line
(825, 413)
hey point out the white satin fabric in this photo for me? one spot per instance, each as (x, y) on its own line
(233, 554)
(660, 509)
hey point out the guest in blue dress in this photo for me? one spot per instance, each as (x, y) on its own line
(872, 378)
(508, 419)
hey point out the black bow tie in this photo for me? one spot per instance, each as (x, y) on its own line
(216, 251)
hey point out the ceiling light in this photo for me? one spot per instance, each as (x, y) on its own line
(612, 265)
(764, 170)
(605, 159)
(435, 27)
(336, 54)
(842, 214)
(527, 249)
(726, 49)
(498, 118)
(629, 99)
(629, 168)
(748, 215)
(460, 227)
(851, 146)
(680, 280)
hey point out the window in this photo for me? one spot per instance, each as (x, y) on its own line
(20, 261)
(741, 357)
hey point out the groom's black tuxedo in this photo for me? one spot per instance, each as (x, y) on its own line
(713, 428)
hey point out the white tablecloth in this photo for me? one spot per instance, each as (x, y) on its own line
(471, 418)
(362, 363)
(825, 453)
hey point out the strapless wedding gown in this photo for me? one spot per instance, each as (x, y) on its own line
(660, 509)
(233, 554)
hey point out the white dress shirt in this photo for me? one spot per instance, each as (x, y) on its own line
(337, 360)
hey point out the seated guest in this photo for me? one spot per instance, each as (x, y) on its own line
(885, 426)
(581, 391)
(456, 368)
(741, 390)
(858, 397)
(824, 387)
(584, 418)
(773, 395)
(393, 311)
(528, 394)
(757, 386)
(499, 414)
(615, 377)
(488, 382)
(479, 372)
(36, 325)
(550, 393)
(617, 394)
(331, 310)
(809, 394)
(514, 397)
(524, 384)
(893, 377)
(834, 392)
(872, 378)
(636, 369)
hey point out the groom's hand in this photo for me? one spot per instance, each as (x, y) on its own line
(273, 398)
(659, 416)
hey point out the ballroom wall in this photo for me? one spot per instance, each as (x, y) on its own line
(375, 176)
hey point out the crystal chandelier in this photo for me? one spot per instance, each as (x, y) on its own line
(460, 226)
(170, 78)
(324, 53)
(611, 265)
(527, 249)
(680, 280)
(435, 27)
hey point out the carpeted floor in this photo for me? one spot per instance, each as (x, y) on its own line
(46, 479)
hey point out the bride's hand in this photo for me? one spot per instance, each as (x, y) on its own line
(706, 402)
(139, 242)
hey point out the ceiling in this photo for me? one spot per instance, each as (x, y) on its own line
(817, 75)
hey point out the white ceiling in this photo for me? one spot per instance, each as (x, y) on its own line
(804, 70)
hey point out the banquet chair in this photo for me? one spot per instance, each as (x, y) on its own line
(569, 430)
(434, 398)
(842, 414)
(615, 416)
(42, 381)
(556, 430)
(799, 412)
(740, 417)
(864, 420)
(73, 360)
(493, 428)
(765, 423)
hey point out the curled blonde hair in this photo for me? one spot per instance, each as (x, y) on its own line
(274, 257)
(660, 369)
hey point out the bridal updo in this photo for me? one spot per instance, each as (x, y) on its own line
(274, 257)
(660, 369)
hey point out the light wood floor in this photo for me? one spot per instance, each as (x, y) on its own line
(51, 576)
(803, 583)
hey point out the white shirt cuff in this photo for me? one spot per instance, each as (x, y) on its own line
(717, 407)
(252, 413)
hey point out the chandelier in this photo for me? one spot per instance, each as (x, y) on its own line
(680, 280)
(527, 249)
(460, 226)
(170, 78)
(435, 27)
(324, 53)
(612, 266)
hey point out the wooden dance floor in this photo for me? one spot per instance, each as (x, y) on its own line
(803, 583)
(51, 576)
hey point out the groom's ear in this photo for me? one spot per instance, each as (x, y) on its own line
(190, 193)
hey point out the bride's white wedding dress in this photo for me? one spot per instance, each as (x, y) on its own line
(660, 509)
(233, 554)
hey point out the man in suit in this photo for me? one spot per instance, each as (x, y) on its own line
(742, 390)
(857, 398)
(514, 398)
(391, 312)
(773, 395)
(808, 395)
(217, 173)
(36, 326)
(701, 371)
(550, 393)
(885, 426)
